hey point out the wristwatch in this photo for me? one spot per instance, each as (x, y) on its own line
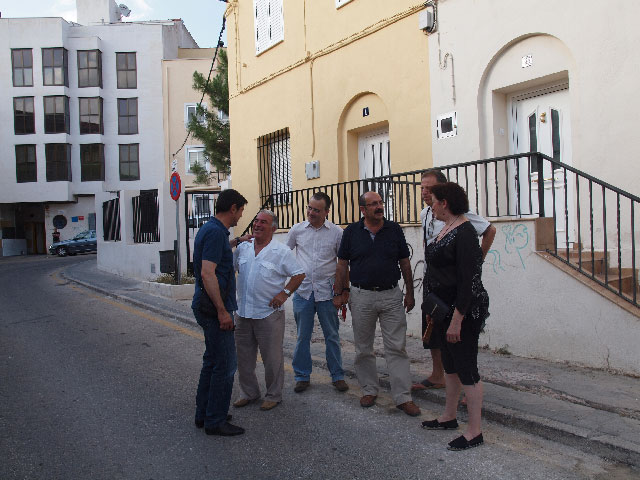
(287, 291)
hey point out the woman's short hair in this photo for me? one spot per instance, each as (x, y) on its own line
(454, 194)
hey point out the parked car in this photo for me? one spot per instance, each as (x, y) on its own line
(82, 243)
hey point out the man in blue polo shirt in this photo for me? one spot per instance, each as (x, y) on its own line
(215, 277)
(369, 254)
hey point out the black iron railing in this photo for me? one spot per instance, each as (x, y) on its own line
(146, 210)
(111, 220)
(199, 207)
(593, 221)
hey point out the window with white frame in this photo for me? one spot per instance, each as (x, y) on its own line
(340, 3)
(190, 112)
(223, 117)
(195, 155)
(268, 24)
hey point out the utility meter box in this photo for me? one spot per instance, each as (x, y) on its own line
(312, 169)
(425, 20)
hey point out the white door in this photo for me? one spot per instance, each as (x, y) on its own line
(543, 124)
(374, 160)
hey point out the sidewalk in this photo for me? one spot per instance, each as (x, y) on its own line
(592, 410)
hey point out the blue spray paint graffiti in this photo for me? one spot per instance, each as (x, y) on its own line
(516, 239)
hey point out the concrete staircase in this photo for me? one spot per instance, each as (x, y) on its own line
(597, 263)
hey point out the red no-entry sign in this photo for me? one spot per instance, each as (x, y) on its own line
(175, 186)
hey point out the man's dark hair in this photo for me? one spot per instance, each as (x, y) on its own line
(228, 198)
(454, 194)
(434, 172)
(322, 196)
(362, 202)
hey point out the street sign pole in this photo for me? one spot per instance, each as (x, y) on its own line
(178, 268)
(175, 186)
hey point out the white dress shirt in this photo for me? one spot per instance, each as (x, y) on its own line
(316, 251)
(261, 277)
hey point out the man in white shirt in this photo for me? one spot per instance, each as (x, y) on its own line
(316, 241)
(263, 266)
(431, 228)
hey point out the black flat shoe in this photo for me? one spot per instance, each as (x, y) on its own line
(436, 425)
(462, 443)
(200, 423)
(225, 430)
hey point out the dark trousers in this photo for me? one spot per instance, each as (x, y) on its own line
(219, 366)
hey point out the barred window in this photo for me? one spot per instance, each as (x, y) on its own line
(23, 116)
(58, 157)
(89, 68)
(111, 219)
(127, 116)
(55, 70)
(22, 64)
(126, 70)
(56, 114)
(92, 162)
(26, 166)
(91, 115)
(129, 164)
(274, 163)
(146, 211)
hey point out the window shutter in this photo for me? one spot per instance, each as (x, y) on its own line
(261, 22)
(276, 22)
(268, 23)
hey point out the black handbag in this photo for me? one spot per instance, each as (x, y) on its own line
(206, 305)
(436, 308)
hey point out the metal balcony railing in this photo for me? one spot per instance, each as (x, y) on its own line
(594, 222)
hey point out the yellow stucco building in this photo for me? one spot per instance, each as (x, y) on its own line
(325, 92)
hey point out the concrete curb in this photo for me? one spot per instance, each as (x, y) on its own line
(588, 441)
(133, 302)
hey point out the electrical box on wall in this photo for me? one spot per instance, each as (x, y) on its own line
(312, 169)
(425, 20)
(447, 125)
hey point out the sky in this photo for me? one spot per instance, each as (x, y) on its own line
(203, 18)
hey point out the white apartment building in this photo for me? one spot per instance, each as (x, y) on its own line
(84, 125)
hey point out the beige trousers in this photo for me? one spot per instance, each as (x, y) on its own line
(267, 334)
(367, 307)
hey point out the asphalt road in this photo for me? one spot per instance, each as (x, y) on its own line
(91, 388)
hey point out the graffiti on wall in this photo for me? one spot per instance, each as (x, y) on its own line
(511, 252)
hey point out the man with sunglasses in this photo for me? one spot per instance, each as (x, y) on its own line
(373, 254)
(431, 228)
(316, 242)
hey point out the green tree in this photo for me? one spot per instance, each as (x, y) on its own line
(206, 126)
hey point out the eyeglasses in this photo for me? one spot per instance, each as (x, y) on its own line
(314, 210)
(379, 203)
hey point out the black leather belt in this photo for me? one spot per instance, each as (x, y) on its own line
(374, 288)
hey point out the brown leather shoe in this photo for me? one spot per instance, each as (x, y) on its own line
(368, 401)
(301, 386)
(341, 385)
(409, 408)
(268, 405)
(243, 402)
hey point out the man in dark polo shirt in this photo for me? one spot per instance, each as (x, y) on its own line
(213, 269)
(369, 254)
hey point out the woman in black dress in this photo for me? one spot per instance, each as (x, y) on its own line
(454, 274)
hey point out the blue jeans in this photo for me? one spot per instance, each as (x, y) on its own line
(218, 369)
(304, 312)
